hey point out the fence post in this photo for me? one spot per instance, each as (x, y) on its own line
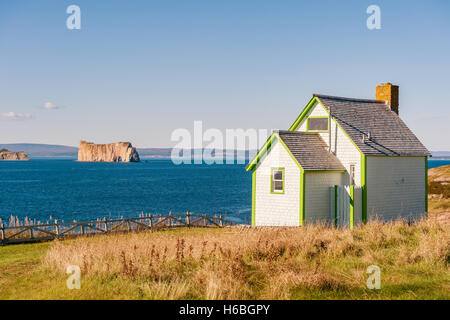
(170, 218)
(56, 228)
(31, 232)
(204, 220)
(105, 221)
(82, 229)
(3, 234)
(188, 219)
(220, 221)
(151, 221)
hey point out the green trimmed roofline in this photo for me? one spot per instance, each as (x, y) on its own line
(267, 147)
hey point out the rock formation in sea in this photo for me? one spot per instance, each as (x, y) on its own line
(5, 154)
(112, 152)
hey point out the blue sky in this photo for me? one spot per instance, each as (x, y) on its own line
(137, 70)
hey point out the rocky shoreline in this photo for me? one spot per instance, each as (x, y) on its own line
(7, 155)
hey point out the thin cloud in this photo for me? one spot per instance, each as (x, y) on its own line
(16, 116)
(50, 106)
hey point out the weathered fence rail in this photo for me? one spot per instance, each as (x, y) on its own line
(43, 232)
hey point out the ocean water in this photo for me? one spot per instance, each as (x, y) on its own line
(437, 163)
(68, 190)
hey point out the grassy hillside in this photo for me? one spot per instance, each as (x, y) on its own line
(439, 190)
(233, 263)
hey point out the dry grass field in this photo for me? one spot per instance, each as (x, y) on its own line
(439, 193)
(234, 263)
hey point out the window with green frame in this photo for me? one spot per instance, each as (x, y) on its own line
(317, 124)
(277, 180)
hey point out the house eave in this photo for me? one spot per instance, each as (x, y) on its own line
(266, 148)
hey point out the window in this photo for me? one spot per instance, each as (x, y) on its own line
(317, 124)
(352, 174)
(277, 180)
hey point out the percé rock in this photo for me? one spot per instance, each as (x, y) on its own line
(112, 152)
(5, 154)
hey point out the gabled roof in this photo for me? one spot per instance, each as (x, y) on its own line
(310, 151)
(359, 119)
(306, 148)
(389, 135)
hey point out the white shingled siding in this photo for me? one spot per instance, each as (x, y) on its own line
(341, 145)
(346, 152)
(277, 209)
(317, 197)
(395, 187)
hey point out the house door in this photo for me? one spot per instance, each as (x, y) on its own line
(343, 205)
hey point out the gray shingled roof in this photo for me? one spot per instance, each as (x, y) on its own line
(310, 150)
(389, 134)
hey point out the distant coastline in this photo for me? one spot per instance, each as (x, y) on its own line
(52, 151)
(440, 158)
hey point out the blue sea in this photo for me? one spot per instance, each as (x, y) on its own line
(68, 190)
(437, 163)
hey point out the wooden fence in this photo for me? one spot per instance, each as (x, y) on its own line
(44, 232)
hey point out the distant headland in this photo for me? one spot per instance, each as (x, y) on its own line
(54, 151)
(5, 154)
(112, 152)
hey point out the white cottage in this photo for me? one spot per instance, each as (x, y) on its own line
(343, 161)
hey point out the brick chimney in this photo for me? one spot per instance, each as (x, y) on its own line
(389, 93)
